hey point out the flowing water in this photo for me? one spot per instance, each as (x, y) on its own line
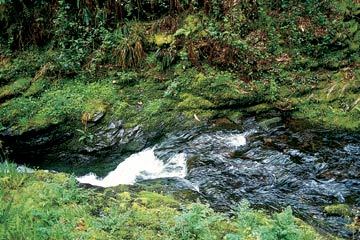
(140, 166)
(271, 165)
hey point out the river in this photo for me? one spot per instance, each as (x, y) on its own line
(272, 163)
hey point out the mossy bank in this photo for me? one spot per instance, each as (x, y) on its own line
(192, 64)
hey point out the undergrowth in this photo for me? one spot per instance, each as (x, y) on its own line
(204, 57)
(43, 205)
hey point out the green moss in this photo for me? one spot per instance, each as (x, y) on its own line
(194, 102)
(267, 123)
(199, 115)
(95, 106)
(37, 87)
(46, 176)
(15, 88)
(342, 210)
(144, 104)
(259, 108)
(268, 63)
(192, 24)
(155, 200)
(57, 104)
(161, 39)
(333, 103)
(152, 108)
(234, 116)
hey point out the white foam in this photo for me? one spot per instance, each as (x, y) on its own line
(236, 140)
(142, 165)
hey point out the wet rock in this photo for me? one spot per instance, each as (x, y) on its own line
(304, 168)
(105, 136)
(223, 123)
(97, 116)
(56, 145)
(30, 146)
(192, 162)
(268, 123)
(168, 185)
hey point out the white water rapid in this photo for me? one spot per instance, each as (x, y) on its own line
(140, 166)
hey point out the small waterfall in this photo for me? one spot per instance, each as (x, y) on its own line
(140, 166)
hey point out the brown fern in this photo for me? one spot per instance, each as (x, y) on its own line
(193, 58)
(207, 6)
(129, 55)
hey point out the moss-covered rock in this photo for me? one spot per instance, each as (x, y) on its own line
(342, 210)
(17, 87)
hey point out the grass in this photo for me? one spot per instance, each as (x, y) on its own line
(43, 205)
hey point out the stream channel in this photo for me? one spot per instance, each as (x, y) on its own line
(272, 163)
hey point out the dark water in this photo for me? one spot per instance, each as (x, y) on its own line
(282, 164)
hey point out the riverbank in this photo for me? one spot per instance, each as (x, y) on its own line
(47, 205)
(195, 66)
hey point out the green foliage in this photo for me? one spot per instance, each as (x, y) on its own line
(25, 204)
(24, 23)
(88, 57)
(248, 52)
(255, 225)
(37, 87)
(273, 90)
(196, 223)
(153, 107)
(285, 226)
(9, 177)
(84, 135)
(192, 25)
(334, 103)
